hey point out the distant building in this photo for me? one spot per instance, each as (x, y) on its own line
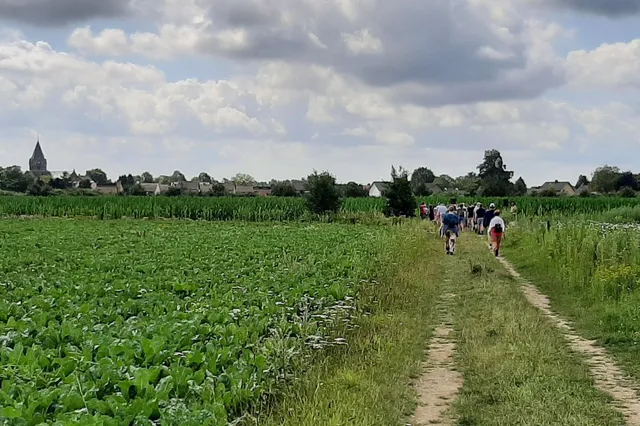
(560, 188)
(435, 189)
(111, 189)
(38, 162)
(377, 189)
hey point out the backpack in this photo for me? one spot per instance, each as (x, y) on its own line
(497, 228)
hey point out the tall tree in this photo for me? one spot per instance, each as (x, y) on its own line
(127, 181)
(627, 179)
(14, 179)
(163, 179)
(63, 182)
(177, 176)
(582, 180)
(98, 176)
(494, 176)
(469, 184)
(243, 179)
(400, 199)
(323, 196)
(354, 190)
(520, 187)
(283, 189)
(146, 177)
(605, 179)
(84, 184)
(204, 177)
(419, 180)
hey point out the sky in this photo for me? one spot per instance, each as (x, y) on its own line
(279, 88)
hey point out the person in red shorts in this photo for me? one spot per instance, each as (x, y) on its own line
(497, 228)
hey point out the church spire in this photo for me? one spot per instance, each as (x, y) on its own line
(38, 162)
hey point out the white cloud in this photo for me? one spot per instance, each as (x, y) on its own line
(614, 65)
(352, 86)
(362, 42)
(395, 138)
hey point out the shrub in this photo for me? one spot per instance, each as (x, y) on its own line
(626, 192)
(323, 194)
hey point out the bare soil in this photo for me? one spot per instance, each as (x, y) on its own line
(607, 375)
(440, 383)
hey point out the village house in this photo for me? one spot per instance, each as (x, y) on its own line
(112, 189)
(377, 189)
(560, 188)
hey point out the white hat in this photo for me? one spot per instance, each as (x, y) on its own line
(491, 205)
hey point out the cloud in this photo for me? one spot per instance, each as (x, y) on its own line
(62, 12)
(610, 8)
(431, 53)
(132, 98)
(614, 65)
(289, 86)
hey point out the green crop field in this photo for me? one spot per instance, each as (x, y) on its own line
(127, 322)
(258, 209)
(255, 313)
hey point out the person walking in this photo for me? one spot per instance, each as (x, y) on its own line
(462, 213)
(451, 222)
(432, 214)
(470, 210)
(423, 211)
(441, 210)
(489, 214)
(497, 229)
(479, 219)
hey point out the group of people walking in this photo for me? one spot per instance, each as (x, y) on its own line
(458, 217)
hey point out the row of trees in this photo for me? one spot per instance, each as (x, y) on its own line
(491, 179)
(610, 180)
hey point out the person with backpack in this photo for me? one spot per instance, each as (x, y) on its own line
(488, 215)
(462, 213)
(451, 222)
(497, 228)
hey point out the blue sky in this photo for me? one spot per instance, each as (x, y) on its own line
(349, 86)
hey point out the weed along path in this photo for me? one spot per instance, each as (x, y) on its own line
(516, 365)
(440, 382)
(606, 373)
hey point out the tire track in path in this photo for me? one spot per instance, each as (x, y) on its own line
(608, 376)
(440, 382)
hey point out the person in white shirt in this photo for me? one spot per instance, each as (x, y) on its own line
(475, 217)
(441, 210)
(497, 228)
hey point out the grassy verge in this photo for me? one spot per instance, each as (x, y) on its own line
(369, 382)
(517, 368)
(591, 279)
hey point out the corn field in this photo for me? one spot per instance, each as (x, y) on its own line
(256, 209)
(529, 206)
(223, 208)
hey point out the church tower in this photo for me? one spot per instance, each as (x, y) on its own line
(37, 162)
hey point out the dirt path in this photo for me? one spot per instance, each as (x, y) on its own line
(440, 382)
(607, 375)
